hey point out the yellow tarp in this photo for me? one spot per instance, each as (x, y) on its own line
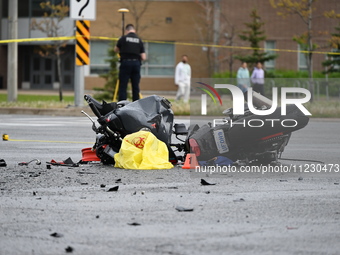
(142, 150)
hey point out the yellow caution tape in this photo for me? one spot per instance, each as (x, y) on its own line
(65, 38)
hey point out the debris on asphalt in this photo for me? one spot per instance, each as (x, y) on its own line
(292, 228)
(113, 189)
(57, 235)
(207, 192)
(3, 163)
(69, 249)
(134, 224)
(34, 175)
(102, 185)
(38, 162)
(300, 179)
(118, 181)
(183, 209)
(239, 200)
(66, 162)
(204, 182)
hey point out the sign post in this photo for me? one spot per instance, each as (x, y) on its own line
(82, 11)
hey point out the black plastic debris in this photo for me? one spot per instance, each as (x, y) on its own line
(134, 224)
(57, 235)
(102, 185)
(183, 209)
(113, 189)
(204, 182)
(3, 163)
(239, 200)
(118, 181)
(67, 162)
(69, 249)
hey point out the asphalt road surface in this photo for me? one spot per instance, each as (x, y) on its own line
(69, 209)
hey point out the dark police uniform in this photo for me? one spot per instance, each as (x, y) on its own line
(130, 47)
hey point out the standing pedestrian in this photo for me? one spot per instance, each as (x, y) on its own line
(182, 79)
(243, 79)
(257, 78)
(132, 52)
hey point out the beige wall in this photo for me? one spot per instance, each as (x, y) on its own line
(182, 29)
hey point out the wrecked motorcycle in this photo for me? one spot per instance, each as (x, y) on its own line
(236, 137)
(249, 137)
(116, 120)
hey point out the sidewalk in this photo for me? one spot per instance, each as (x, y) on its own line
(167, 94)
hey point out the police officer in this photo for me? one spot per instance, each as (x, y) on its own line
(132, 52)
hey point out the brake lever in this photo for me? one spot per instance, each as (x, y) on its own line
(94, 127)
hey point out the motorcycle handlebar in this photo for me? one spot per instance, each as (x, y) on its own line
(94, 109)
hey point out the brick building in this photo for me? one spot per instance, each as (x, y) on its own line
(181, 25)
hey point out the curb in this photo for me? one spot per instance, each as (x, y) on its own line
(72, 111)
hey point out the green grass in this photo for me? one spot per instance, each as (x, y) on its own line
(37, 101)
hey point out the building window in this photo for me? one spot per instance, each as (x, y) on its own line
(269, 46)
(98, 56)
(302, 60)
(160, 60)
(335, 58)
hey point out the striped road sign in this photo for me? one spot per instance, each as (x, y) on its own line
(83, 42)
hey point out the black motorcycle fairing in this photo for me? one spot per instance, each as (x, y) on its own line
(240, 139)
(153, 113)
(243, 131)
(100, 109)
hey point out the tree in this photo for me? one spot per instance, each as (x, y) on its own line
(333, 62)
(111, 76)
(51, 25)
(255, 35)
(304, 9)
(137, 10)
(210, 31)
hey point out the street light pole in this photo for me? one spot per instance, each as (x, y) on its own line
(123, 11)
(12, 54)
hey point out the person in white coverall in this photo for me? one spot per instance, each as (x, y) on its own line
(182, 79)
